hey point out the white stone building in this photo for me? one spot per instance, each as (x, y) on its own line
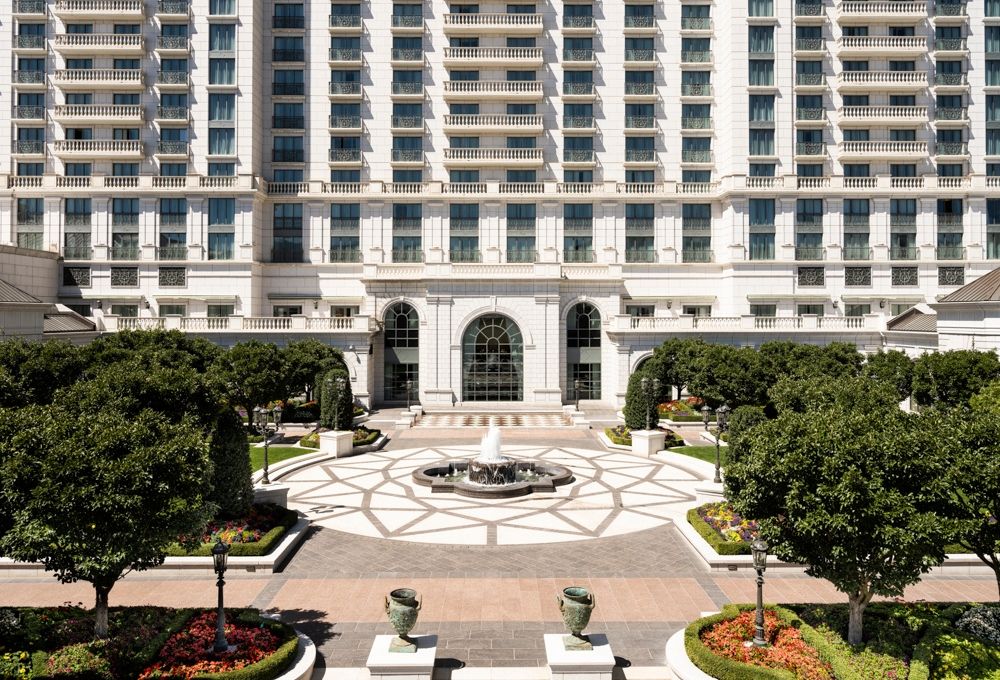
(502, 201)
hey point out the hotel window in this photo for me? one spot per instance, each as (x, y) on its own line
(763, 310)
(578, 232)
(287, 239)
(219, 311)
(521, 232)
(345, 232)
(221, 71)
(221, 37)
(761, 219)
(761, 73)
(406, 232)
(221, 107)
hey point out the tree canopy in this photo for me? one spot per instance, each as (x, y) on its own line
(952, 378)
(850, 485)
(95, 495)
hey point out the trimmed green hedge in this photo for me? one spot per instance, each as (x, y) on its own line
(719, 544)
(615, 439)
(266, 544)
(268, 668)
(372, 437)
(677, 418)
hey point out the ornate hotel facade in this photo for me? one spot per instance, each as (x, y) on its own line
(502, 201)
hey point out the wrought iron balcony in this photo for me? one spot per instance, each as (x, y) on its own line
(345, 54)
(579, 255)
(578, 156)
(642, 255)
(687, 23)
(173, 42)
(857, 253)
(809, 253)
(903, 253)
(171, 253)
(347, 20)
(578, 122)
(950, 252)
(697, 256)
(130, 253)
(579, 89)
(345, 155)
(29, 112)
(26, 77)
(354, 89)
(407, 255)
(344, 122)
(640, 156)
(465, 255)
(78, 253)
(522, 255)
(345, 255)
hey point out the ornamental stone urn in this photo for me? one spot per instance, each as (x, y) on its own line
(401, 606)
(576, 604)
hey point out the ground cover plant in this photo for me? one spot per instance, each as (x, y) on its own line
(256, 533)
(622, 436)
(705, 453)
(684, 410)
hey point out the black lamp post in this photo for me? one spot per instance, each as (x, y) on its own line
(267, 422)
(409, 390)
(576, 394)
(759, 551)
(722, 421)
(220, 553)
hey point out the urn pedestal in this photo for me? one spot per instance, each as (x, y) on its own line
(594, 664)
(385, 665)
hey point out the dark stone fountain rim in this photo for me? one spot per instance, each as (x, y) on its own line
(433, 476)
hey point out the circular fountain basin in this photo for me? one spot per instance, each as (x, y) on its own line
(480, 479)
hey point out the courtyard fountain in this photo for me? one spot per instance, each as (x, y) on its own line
(491, 474)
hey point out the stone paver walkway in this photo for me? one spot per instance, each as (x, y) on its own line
(490, 604)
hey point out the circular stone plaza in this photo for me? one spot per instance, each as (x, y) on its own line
(488, 569)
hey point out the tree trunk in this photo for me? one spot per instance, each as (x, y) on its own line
(857, 602)
(101, 612)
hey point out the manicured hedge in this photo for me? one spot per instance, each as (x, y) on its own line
(266, 544)
(371, 438)
(719, 544)
(677, 418)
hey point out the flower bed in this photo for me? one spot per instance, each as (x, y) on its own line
(251, 536)
(259, 649)
(785, 650)
(143, 642)
(914, 641)
(727, 532)
(683, 410)
(364, 436)
(622, 436)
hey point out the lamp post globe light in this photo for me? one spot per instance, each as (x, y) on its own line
(759, 551)
(721, 421)
(220, 554)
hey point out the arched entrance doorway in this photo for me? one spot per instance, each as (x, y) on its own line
(583, 352)
(402, 352)
(492, 360)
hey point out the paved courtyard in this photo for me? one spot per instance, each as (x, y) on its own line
(488, 600)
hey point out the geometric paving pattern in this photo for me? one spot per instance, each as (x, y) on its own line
(487, 419)
(613, 493)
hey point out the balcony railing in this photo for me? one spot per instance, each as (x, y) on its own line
(578, 55)
(810, 79)
(640, 122)
(345, 255)
(810, 253)
(697, 256)
(171, 253)
(903, 253)
(493, 20)
(104, 111)
(407, 21)
(491, 121)
(696, 90)
(857, 253)
(498, 87)
(890, 43)
(172, 148)
(172, 112)
(29, 42)
(29, 7)
(78, 253)
(640, 255)
(687, 23)
(172, 77)
(883, 78)
(345, 54)
(29, 146)
(407, 156)
(696, 56)
(341, 122)
(581, 22)
(578, 156)
(640, 88)
(950, 252)
(25, 77)
(125, 253)
(522, 255)
(489, 54)
(951, 79)
(696, 156)
(640, 55)
(345, 155)
(98, 146)
(809, 44)
(808, 9)
(956, 113)
(407, 122)
(889, 113)
(29, 112)
(891, 8)
(399, 54)
(949, 9)
(465, 255)
(640, 156)
(578, 122)
(696, 123)
(951, 149)
(884, 147)
(579, 89)
(407, 255)
(351, 89)
(173, 7)
(580, 255)
(172, 42)
(347, 20)
(492, 154)
(809, 114)
(98, 40)
(950, 45)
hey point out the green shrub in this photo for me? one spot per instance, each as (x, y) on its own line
(232, 486)
(958, 657)
(637, 407)
(83, 661)
(718, 543)
(336, 405)
(310, 441)
(619, 435)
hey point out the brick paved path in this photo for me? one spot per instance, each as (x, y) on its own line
(489, 604)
